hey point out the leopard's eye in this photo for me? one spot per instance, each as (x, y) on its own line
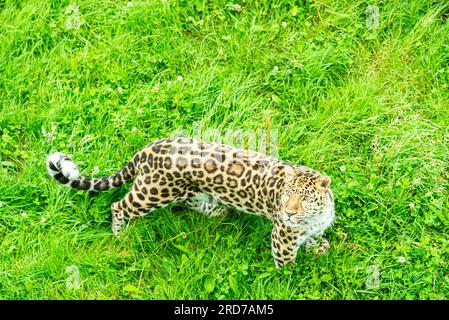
(308, 198)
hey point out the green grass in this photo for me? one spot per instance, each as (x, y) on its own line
(367, 107)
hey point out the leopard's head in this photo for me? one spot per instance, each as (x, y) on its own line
(306, 194)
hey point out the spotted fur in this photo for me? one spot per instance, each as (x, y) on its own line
(214, 178)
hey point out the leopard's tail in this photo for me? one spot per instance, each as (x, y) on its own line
(65, 171)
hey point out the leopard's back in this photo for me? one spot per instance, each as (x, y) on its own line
(237, 178)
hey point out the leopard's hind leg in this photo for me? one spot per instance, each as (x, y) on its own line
(140, 201)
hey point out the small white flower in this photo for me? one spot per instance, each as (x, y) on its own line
(155, 89)
(401, 260)
(284, 24)
(43, 219)
(130, 4)
(73, 19)
(134, 130)
(95, 170)
(276, 68)
(220, 51)
(238, 7)
(109, 89)
(120, 89)
(180, 78)
(342, 168)
(411, 205)
(139, 111)
(23, 214)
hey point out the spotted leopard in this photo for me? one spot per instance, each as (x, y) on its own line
(213, 178)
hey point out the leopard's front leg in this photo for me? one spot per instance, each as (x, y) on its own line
(285, 242)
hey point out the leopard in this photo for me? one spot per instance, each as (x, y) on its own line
(216, 179)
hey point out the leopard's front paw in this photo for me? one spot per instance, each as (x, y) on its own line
(323, 247)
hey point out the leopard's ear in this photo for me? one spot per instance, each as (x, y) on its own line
(323, 183)
(290, 173)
